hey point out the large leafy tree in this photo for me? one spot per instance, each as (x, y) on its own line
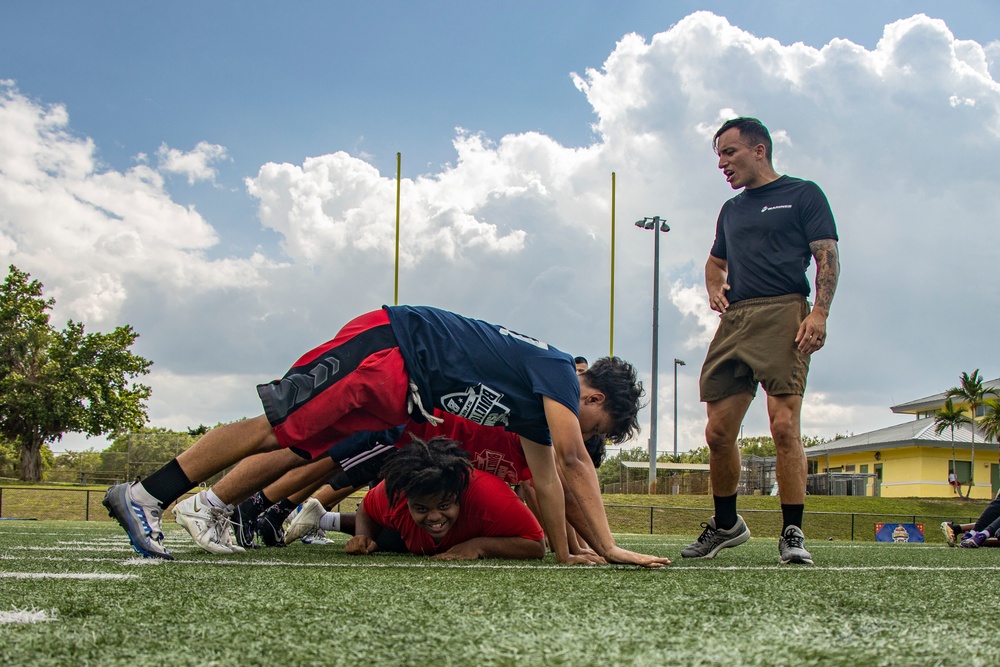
(60, 381)
(949, 417)
(972, 392)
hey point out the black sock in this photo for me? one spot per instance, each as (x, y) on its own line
(791, 515)
(725, 511)
(260, 502)
(280, 511)
(253, 506)
(168, 484)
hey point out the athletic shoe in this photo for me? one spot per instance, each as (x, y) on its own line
(231, 540)
(270, 530)
(208, 525)
(949, 533)
(245, 527)
(791, 546)
(317, 538)
(974, 539)
(142, 523)
(712, 539)
(306, 521)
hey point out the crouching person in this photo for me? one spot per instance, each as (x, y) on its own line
(432, 502)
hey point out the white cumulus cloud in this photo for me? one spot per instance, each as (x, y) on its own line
(196, 165)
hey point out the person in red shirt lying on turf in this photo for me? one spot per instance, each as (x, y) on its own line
(433, 502)
(491, 450)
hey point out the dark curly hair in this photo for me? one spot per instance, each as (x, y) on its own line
(617, 380)
(420, 468)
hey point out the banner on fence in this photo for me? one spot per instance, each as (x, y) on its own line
(899, 532)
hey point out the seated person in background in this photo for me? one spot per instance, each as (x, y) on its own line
(982, 533)
(956, 486)
(439, 505)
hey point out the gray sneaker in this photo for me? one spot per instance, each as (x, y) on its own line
(713, 540)
(142, 523)
(791, 546)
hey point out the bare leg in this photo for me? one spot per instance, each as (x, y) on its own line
(254, 473)
(329, 497)
(724, 419)
(792, 468)
(306, 493)
(225, 446)
(305, 479)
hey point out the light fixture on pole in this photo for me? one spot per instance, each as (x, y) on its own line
(677, 362)
(657, 224)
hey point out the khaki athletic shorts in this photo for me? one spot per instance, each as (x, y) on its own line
(755, 344)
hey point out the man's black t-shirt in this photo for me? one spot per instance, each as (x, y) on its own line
(764, 235)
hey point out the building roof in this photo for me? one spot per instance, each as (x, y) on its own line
(935, 401)
(919, 432)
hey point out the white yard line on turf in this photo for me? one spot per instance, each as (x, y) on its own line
(64, 575)
(16, 615)
(514, 566)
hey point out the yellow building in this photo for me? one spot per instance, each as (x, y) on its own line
(910, 459)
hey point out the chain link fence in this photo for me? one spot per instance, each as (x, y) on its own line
(23, 502)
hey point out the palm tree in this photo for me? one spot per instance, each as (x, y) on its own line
(971, 391)
(949, 417)
(990, 423)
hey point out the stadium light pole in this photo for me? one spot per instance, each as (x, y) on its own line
(657, 224)
(677, 362)
(399, 178)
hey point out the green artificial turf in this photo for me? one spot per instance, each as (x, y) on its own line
(861, 604)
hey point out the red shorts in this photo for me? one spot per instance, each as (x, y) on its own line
(355, 382)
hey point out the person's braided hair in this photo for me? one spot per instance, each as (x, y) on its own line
(420, 468)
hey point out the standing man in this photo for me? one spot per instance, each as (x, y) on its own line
(756, 279)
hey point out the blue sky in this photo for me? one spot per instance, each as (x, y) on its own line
(243, 154)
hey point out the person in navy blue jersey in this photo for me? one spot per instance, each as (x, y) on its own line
(384, 369)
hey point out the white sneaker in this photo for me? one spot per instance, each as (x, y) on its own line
(306, 521)
(208, 525)
(231, 542)
(316, 537)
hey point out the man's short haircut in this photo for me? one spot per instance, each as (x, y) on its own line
(581, 360)
(439, 465)
(597, 448)
(752, 131)
(618, 381)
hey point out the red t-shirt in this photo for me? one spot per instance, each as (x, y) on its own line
(488, 508)
(491, 448)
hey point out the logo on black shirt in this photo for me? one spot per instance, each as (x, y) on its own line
(479, 404)
(772, 208)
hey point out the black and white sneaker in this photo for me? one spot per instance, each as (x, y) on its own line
(791, 546)
(244, 526)
(271, 532)
(712, 539)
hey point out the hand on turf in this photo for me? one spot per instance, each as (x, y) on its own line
(360, 545)
(463, 551)
(626, 557)
(583, 559)
(585, 551)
